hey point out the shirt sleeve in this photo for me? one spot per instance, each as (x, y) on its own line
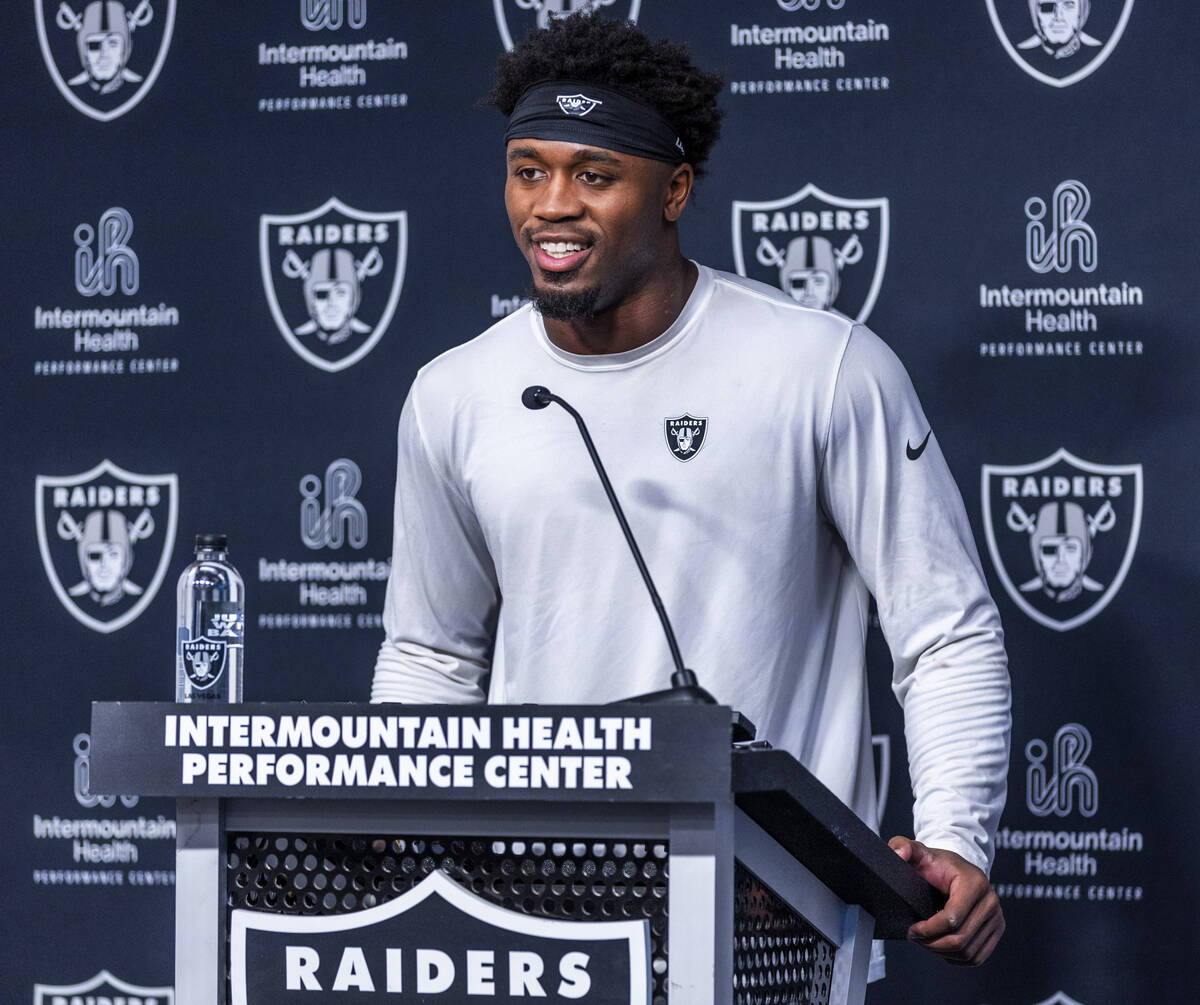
(888, 491)
(439, 614)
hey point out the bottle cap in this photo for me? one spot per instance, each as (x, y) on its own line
(212, 542)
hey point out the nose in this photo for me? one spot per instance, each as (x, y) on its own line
(558, 199)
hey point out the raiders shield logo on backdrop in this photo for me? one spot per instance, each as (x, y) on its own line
(516, 18)
(439, 942)
(1059, 42)
(1062, 532)
(685, 435)
(106, 538)
(104, 987)
(820, 249)
(104, 55)
(332, 278)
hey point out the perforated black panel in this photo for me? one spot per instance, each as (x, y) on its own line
(779, 958)
(568, 879)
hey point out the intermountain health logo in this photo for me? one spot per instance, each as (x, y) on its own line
(106, 538)
(439, 940)
(104, 55)
(333, 584)
(1066, 782)
(104, 987)
(333, 277)
(318, 15)
(1062, 532)
(823, 250)
(1059, 42)
(810, 47)
(108, 331)
(1075, 297)
(516, 18)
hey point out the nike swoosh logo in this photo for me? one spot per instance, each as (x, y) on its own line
(915, 452)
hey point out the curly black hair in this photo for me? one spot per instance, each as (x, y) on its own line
(598, 50)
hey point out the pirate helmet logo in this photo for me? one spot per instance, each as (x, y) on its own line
(105, 56)
(326, 275)
(577, 105)
(204, 661)
(685, 435)
(96, 530)
(1059, 42)
(530, 14)
(1061, 519)
(816, 247)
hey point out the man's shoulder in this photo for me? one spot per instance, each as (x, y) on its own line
(481, 358)
(763, 310)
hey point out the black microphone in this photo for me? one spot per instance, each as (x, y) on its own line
(684, 687)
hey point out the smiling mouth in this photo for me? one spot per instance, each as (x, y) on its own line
(560, 256)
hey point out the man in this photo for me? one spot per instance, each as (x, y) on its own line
(816, 480)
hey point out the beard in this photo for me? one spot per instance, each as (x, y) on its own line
(559, 305)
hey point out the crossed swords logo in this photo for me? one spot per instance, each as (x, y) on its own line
(70, 529)
(67, 19)
(1103, 520)
(770, 256)
(294, 267)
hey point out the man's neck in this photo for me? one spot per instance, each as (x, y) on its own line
(639, 319)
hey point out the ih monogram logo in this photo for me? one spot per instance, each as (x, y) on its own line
(111, 263)
(1054, 244)
(318, 14)
(1054, 788)
(343, 517)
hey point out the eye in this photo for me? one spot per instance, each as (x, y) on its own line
(592, 178)
(527, 173)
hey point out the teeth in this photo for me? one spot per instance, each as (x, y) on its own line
(560, 249)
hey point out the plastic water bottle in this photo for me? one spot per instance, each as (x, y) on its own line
(210, 625)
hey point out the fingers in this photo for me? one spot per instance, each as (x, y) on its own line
(967, 942)
(967, 929)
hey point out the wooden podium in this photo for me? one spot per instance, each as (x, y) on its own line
(432, 854)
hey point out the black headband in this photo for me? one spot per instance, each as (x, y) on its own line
(585, 113)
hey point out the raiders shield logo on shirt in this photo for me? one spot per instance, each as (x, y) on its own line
(685, 435)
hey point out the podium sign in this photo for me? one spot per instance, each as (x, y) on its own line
(435, 940)
(574, 753)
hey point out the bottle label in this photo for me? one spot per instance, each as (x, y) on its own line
(223, 620)
(222, 624)
(204, 661)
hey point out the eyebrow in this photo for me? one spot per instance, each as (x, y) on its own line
(584, 154)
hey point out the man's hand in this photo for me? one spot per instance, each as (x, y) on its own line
(966, 930)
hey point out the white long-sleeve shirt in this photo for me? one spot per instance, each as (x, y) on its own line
(764, 544)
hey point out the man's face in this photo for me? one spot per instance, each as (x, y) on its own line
(105, 54)
(1058, 20)
(589, 222)
(1061, 559)
(104, 565)
(333, 304)
(810, 287)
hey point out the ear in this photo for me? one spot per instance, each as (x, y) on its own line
(678, 190)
